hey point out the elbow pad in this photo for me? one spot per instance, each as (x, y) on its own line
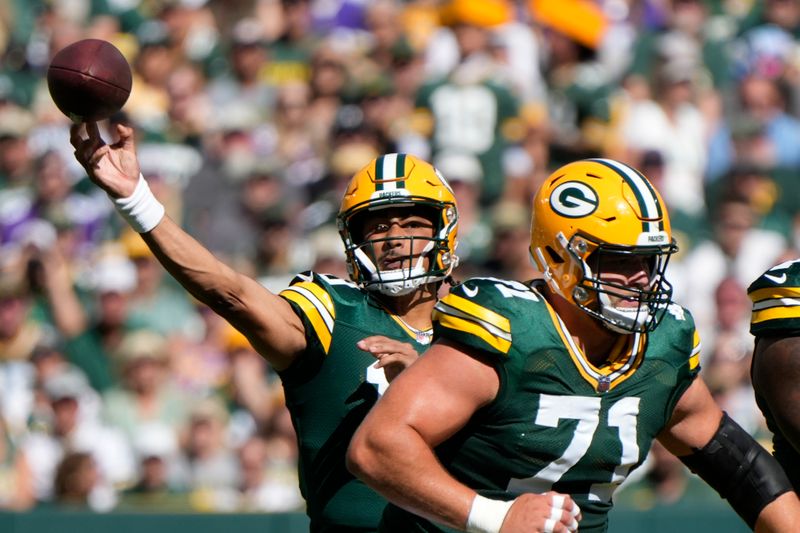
(739, 469)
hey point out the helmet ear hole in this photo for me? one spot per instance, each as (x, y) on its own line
(553, 255)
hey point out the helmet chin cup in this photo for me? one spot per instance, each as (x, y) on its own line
(623, 319)
(397, 282)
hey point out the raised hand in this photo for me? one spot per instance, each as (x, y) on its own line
(113, 167)
(392, 355)
(542, 513)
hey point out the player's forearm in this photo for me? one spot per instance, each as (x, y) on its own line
(782, 515)
(194, 267)
(266, 319)
(398, 464)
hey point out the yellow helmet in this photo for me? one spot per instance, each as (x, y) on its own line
(399, 180)
(607, 210)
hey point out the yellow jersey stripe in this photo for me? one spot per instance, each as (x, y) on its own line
(315, 315)
(694, 357)
(468, 326)
(411, 333)
(481, 313)
(445, 309)
(321, 295)
(623, 368)
(574, 351)
(774, 313)
(769, 293)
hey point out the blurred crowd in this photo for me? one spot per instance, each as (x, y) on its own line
(119, 391)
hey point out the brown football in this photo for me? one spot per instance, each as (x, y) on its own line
(89, 80)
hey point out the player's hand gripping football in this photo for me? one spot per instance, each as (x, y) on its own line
(542, 513)
(393, 356)
(113, 167)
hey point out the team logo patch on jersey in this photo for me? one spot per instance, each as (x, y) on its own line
(574, 200)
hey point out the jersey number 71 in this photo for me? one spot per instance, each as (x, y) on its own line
(586, 410)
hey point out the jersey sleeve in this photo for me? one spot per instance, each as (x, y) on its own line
(310, 296)
(683, 349)
(475, 314)
(776, 301)
(678, 340)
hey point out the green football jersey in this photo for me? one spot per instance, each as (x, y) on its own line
(329, 390)
(558, 422)
(776, 313)
(472, 118)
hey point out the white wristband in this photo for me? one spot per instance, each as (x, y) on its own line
(141, 209)
(486, 515)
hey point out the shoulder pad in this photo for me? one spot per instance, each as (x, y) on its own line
(776, 301)
(311, 295)
(678, 333)
(479, 312)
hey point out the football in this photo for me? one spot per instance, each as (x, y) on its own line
(89, 80)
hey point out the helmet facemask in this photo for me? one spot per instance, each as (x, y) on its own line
(362, 254)
(622, 306)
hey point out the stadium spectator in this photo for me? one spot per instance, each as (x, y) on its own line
(728, 370)
(253, 387)
(112, 279)
(16, 156)
(671, 122)
(210, 459)
(19, 333)
(75, 427)
(243, 89)
(509, 257)
(473, 108)
(260, 490)
(479, 453)
(145, 395)
(76, 484)
(464, 173)
(16, 480)
(162, 483)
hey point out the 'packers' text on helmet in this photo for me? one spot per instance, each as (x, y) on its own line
(594, 213)
(399, 180)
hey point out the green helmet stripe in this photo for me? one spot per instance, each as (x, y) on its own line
(644, 192)
(379, 173)
(400, 170)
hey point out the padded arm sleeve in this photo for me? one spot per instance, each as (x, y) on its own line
(739, 469)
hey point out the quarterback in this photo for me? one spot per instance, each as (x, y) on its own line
(775, 323)
(399, 223)
(561, 384)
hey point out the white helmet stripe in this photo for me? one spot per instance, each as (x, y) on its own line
(388, 171)
(648, 201)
